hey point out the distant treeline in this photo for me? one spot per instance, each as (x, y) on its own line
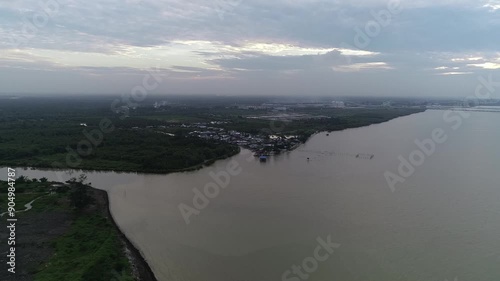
(46, 132)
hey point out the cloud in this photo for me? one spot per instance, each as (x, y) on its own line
(249, 41)
(486, 65)
(455, 73)
(363, 66)
(492, 5)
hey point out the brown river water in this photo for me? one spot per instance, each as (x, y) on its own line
(270, 221)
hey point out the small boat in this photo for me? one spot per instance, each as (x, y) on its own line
(263, 158)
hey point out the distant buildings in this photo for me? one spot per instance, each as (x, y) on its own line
(261, 145)
(338, 104)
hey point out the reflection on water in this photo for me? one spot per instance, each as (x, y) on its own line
(440, 223)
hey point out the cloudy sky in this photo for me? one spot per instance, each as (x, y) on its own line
(231, 47)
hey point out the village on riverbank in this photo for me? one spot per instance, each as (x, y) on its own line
(261, 145)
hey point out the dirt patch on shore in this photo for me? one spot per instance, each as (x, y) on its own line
(34, 233)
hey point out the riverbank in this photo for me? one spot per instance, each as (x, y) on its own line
(147, 143)
(58, 241)
(140, 267)
(82, 169)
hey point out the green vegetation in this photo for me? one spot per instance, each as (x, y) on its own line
(28, 190)
(314, 120)
(121, 150)
(50, 139)
(88, 249)
(67, 133)
(79, 196)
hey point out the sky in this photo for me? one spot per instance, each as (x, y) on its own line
(250, 47)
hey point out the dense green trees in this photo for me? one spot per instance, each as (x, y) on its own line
(47, 132)
(79, 196)
(47, 142)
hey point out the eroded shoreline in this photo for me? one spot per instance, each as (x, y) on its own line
(141, 269)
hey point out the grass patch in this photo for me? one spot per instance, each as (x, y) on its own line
(90, 251)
